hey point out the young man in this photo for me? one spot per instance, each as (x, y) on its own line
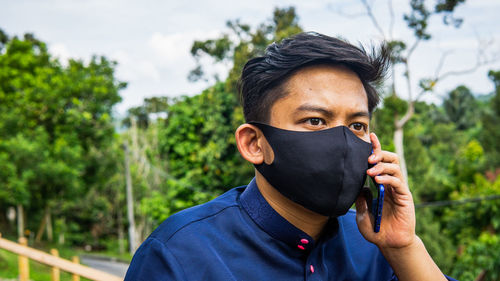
(307, 103)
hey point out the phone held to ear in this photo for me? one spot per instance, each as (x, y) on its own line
(377, 203)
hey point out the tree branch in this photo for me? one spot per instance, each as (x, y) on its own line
(391, 21)
(441, 62)
(339, 11)
(411, 103)
(481, 60)
(409, 113)
(369, 12)
(420, 94)
(412, 49)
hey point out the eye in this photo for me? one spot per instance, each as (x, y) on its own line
(315, 121)
(358, 127)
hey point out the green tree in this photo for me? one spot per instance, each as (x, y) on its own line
(491, 124)
(142, 114)
(198, 139)
(480, 259)
(474, 227)
(55, 122)
(460, 107)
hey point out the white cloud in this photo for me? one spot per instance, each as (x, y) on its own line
(133, 69)
(148, 69)
(169, 47)
(175, 47)
(61, 52)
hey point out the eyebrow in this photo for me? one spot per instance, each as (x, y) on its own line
(359, 114)
(315, 108)
(329, 113)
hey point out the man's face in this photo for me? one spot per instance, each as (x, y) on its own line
(321, 97)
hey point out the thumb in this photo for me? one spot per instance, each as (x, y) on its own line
(363, 215)
(361, 208)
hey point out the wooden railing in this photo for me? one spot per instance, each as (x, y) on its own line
(25, 253)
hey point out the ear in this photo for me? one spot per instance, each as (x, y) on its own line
(249, 140)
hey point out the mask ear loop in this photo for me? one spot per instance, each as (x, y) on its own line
(261, 127)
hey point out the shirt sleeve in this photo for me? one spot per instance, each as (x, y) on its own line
(153, 262)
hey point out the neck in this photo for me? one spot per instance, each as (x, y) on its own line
(304, 219)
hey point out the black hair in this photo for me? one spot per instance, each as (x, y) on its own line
(263, 78)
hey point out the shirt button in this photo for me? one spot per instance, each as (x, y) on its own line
(304, 241)
(311, 268)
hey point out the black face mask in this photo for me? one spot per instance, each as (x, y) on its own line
(324, 171)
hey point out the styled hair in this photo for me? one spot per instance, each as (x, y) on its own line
(263, 78)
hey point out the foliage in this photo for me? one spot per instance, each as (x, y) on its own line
(199, 140)
(439, 246)
(480, 255)
(471, 219)
(460, 107)
(490, 119)
(56, 129)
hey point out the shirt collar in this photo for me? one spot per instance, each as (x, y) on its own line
(275, 225)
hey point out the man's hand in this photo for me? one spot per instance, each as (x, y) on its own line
(397, 229)
(396, 239)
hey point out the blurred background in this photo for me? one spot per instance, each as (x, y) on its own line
(98, 98)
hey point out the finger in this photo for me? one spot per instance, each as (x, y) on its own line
(375, 142)
(389, 157)
(384, 156)
(396, 183)
(377, 149)
(385, 169)
(363, 219)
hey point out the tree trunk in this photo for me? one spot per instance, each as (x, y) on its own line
(121, 235)
(49, 228)
(61, 239)
(481, 276)
(43, 224)
(398, 143)
(20, 220)
(130, 204)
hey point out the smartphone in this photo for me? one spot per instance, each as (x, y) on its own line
(377, 203)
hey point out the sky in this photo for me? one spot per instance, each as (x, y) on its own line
(150, 40)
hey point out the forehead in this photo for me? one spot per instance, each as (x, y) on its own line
(335, 87)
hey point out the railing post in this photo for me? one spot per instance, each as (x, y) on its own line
(75, 277)
(24, 266)
(55, 270)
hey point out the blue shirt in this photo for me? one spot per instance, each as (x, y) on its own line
(239, 236)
